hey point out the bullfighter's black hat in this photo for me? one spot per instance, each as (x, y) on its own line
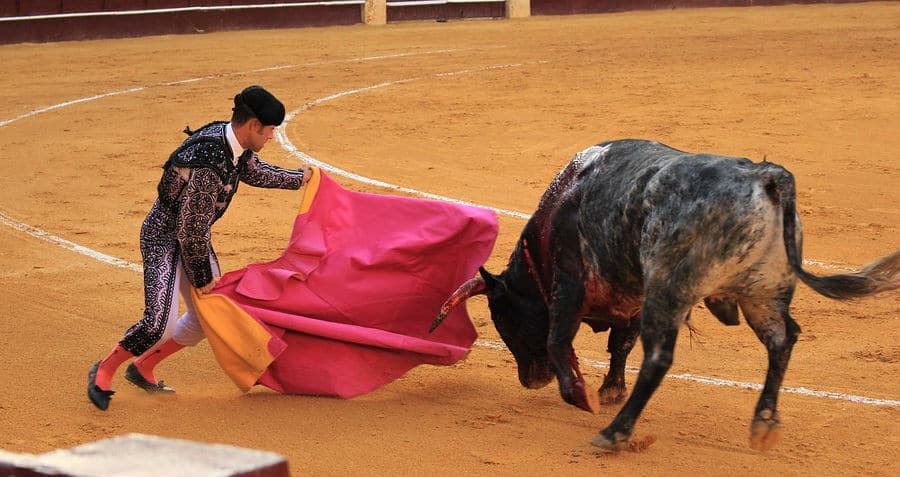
(263, 104)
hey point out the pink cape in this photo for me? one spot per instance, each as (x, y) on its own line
(347, 307)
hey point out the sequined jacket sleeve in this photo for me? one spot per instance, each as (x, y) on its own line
(259, 173)
(197, 211)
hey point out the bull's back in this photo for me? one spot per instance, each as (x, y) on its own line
(648, 207)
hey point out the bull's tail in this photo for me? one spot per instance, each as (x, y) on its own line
(879, 276)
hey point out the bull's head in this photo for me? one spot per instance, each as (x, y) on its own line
(521, 320)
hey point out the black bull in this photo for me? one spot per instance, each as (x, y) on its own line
(629, 237)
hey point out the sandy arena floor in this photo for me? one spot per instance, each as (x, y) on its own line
(485, 111)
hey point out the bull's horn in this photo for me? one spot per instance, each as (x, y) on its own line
(475, 286)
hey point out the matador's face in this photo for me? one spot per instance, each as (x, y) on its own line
(260, 135)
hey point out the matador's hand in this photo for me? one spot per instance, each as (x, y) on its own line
(307, 175)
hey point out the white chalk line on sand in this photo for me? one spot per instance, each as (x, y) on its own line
(241, 73)
(286, 144)
(282, 138)
(731, 383)
(68, 245)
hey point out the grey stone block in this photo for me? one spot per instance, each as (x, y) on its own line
(139, 455)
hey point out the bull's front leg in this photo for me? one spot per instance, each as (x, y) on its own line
(565, 319)
(621, 342)
(662, 313)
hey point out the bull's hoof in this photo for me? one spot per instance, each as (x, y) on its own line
(616, 443)
(610, 396)
(582, 399)
(624, 444)
(765, 430)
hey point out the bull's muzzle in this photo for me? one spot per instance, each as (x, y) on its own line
(474, 286)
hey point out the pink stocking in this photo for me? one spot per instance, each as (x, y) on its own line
(109, 365)
(147, 361)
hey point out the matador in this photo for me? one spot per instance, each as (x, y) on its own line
(198, 182)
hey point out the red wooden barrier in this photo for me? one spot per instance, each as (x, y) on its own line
(17, 27)
(568, 7)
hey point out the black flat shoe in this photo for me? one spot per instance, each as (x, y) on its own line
(134, 377)
(100, 397)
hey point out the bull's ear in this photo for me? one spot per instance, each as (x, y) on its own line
(490, 280)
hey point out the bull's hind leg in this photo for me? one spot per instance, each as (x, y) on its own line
(776, 329)
(621, 342)
(661, 317)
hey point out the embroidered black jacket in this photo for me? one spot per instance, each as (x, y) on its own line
(198, 182)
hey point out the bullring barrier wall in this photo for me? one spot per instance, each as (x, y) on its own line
(567, 7)
(62, 20)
